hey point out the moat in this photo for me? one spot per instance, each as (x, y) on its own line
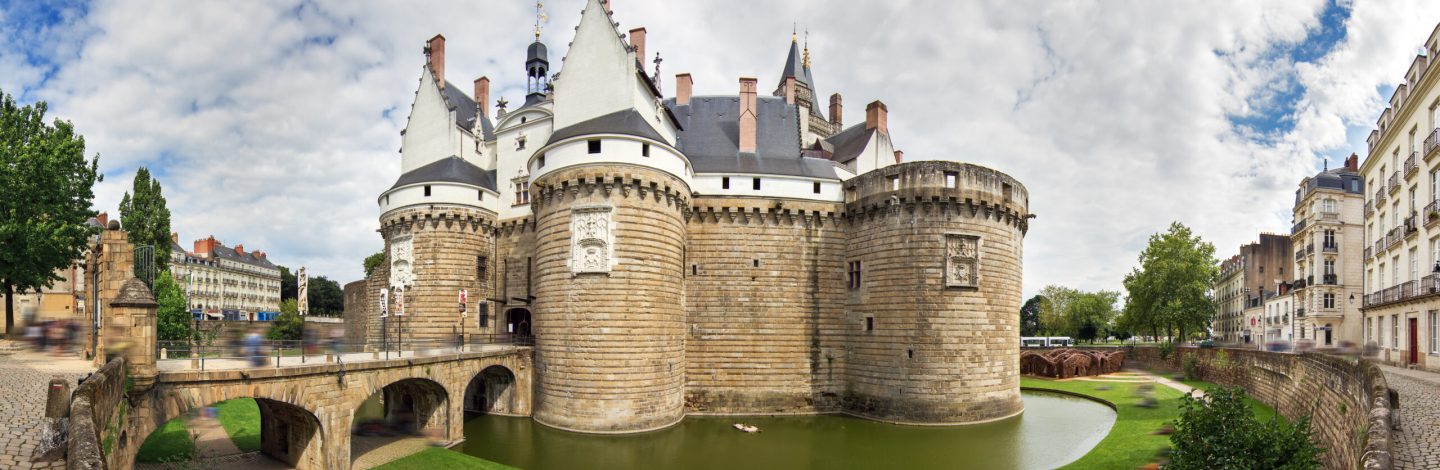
(1054, 430)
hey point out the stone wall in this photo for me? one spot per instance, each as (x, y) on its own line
(1347, 400)
(356, 310)
(95, 409)
(765, 283)
(934, 324)
(610, 296)
(515, 272)
(451, 247)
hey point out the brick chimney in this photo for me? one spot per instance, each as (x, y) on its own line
(637, 40)
(175, 238)
(875, 117)
(1353, 163)
(240, 249)
(790, 90)
(836, 110)
(482, 96)
(899, 157)
(206, 246)
(104, 219)
(435, 56)
(747, 115)
(683, 85)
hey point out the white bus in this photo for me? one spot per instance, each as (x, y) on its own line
(1045, 341)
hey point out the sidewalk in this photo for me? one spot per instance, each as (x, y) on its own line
(27, 377)
(1169, 383)
(1417, 445)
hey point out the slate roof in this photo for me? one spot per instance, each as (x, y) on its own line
(795, 67)
(710, 138)
(465, 111)
(849, 143)
(225, 252)
(627, 122)
(450, 169)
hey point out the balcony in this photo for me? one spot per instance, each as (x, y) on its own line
(1330, 248)
(1410, 166)
(1369, 252)
(1379, 196)
(1310, 249)
(1299, 254)
(1432, 142)
(1394, 182)
(1330, 279)
(1394, 237)
(1432, 213)
(1369, 209)
(1299, 312)
(1412, 224)
(1295, 229)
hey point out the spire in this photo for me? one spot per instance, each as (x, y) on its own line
(537, 63)
(794, 64)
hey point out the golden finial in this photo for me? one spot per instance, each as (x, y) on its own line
(540, 18)
(793, 28)
(805, 61)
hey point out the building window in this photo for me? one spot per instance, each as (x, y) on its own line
(755, 184)
(539, 162)
(480, 265)
(594, 145)
(484, 314)
(951, 178)
(756, 262)
(869, 323)
(1328, 206)
(894, 183)
(1394, 331)
(725, 182)
(694, 270)
(522, 192)
(1329, 300)
(816, 188)
(1434, 332)
(645, 150)
(479, 195)
(1329, 238)
(854, 277)
(427, 190)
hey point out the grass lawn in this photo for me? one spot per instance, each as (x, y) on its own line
(169, 443)
(1262, 411)
(436, 457)
(241, 419)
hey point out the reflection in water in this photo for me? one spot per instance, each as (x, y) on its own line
(1054, 430)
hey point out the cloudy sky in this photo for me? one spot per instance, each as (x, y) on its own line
(276, 123)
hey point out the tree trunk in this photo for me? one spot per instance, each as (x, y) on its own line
(9, 292)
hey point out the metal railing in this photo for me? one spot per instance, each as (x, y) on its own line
(1330, 279)
(1379, 196)
(245, 354)
(1410, 166)
(1432, 141)
(1294, 229)
(1369, 252)
(1394, 182)
(1369, 208)
(1330, 248)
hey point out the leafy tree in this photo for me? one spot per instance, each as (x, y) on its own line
(46, 187)
(289, 325)
(1220, 431)
(325, 297)
(374, 261)
(1090, 313)
(289, 286)
(173, 318)
(146, 218)
(1052, 311)
(1172, 286)
(1030, 316)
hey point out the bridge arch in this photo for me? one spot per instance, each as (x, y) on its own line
(290, 431)
(493, 391)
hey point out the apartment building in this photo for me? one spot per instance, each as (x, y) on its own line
(1259, 268)
(1329, 240)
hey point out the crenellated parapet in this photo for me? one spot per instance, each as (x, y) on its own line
(939, 187)
(753, 211)
(623, 182)
(437, 217)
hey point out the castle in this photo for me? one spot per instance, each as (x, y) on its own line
(683, 254)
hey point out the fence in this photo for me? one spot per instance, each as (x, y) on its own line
(286, 353)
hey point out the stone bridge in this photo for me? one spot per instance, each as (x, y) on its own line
(307, 412)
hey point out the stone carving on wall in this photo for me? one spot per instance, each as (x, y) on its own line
(962, 260)
(401, 262)
(591, 239)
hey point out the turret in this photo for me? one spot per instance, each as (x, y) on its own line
(537, 72)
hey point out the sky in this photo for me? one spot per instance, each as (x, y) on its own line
(276, 124)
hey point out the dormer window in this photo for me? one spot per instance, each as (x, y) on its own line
(594, 146)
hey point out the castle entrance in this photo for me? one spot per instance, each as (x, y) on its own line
(517, 321)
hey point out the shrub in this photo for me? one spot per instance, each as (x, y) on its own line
(1192, 368)
(1165, 349)
(1220, 431)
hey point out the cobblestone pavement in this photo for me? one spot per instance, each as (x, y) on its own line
(1417, 445)
(24, 378)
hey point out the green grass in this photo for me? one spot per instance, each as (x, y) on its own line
(1132, 442)
(241, 419)
(1262, 411)
(168, 443)
(436, 457)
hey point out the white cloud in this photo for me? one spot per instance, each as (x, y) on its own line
(276, 125)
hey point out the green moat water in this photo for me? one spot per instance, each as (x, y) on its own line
(1054, 430)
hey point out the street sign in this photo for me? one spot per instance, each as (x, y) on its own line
(384, 302)
(399, 301)
(463, 296)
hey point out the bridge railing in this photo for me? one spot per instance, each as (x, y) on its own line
(252, 353)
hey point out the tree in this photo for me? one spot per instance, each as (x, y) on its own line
(144, 216)
(289, 325)
(1090, 313)
(1172, 286)
(1220, 431)
(172, 318)
(1052, 311)
(325, 297)
(374, 261)
(1030, 316)
(289, 286)
(46, 187)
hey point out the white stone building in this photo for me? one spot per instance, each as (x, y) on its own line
(1328, 237)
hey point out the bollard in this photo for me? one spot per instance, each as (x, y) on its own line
(164, 354)
(57, 403)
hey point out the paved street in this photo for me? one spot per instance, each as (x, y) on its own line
(22, 403)
(1417, 445)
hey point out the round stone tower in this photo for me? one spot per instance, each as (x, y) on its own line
(609, 309)
(935, 320)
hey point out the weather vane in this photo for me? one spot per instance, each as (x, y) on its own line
(540, 18)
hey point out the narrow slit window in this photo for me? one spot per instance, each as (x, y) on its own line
(694, 270)
(594, 146)
(756, 262)
(755, 184)
(645, 150)
(869, 323)
(816, 188)
(725, 182)
(427, 190)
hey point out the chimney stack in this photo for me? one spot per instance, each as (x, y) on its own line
(104, 219)
(875, 117)
(747, 115)
(435, 55)
(836, 110)
(240, 249)
(205, 247)
(683, 84)
(1353, 163)
(790, 90)
(175, 237)
(637, 40)
(899, 157)
(482, 97)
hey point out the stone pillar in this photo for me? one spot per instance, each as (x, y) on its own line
(130, 325)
